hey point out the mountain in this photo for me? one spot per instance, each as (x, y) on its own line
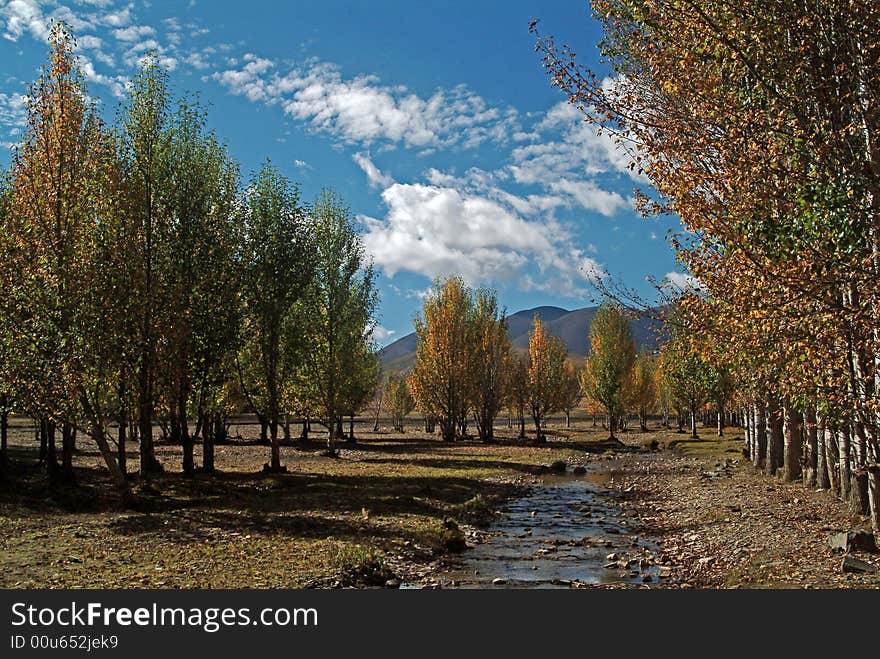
(573, 327)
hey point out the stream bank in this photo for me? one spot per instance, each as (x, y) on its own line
(568, 531)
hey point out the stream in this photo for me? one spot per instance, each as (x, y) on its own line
(560, 535)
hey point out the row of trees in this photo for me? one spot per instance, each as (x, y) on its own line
(758, 124)
(143, 282)
(465, 366)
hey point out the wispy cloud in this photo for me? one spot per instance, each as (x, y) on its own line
(361, 110)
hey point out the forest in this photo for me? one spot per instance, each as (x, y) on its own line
(189, 378)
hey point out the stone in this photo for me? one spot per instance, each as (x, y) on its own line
(612, 556)
(579, 470)
(499, 581)
(854, 565)
(847, 541)
(392, 583)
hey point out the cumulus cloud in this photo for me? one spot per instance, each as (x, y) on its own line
(23, 16)
(578, 150)
(438, 231)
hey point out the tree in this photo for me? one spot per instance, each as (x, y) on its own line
(610, 363)
(643, 387)
(487, 354)
(365, 373)
(517, 387)
(198, 257)
(571, 391)
(756, 123)
(440, 381)
(343, 301)
(547, 372)
(59, 211)
(398, 399)
(143, 124)
(277, 273)
(689, 377)
(5, 347)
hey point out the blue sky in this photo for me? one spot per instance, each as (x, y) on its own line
(434, 120)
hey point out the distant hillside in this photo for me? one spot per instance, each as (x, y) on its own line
(573, 327)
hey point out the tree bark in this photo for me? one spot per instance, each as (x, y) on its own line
(793, 424)
(189, 464)
(811, 447)
(67, 448)
(843, 460)
(775, 439)
(209, 435)
(831, 458)
(276, 447)
(821, 454)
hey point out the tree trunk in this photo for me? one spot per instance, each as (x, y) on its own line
(775, 439)
(447, 429)
(874, 499)
(4, 431)
(821, 454)
(721, 422)
(51, 452)
(811, 447)
(67, 447)
(189, 464)
(793, 424)
(351, 438)
(148, 462)
(694, 434)
(264, 429)
(304, 436)
(275, 466)
(831, 458)
(331, 438)
(209, 435)
(748, 432)
(121, 457)
(843, 460)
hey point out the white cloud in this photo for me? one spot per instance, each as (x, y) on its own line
(439, 231)
(23, 16)
(363, 111)
(376, 177)
(590, 196)
(579, 150)
(679, 281)
(134, 33)
(382, 334)
(13, 111)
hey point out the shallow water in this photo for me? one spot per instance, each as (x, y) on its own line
(539, 540)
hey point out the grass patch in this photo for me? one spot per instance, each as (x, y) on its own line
(711, 449)
(362, 567)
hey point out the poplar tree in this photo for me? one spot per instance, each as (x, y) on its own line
(342, 304)
(610, 363)
(277, 270)
(546, 374)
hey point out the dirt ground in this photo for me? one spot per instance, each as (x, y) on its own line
(392, 507)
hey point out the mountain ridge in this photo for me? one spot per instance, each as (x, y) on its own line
(573, 327)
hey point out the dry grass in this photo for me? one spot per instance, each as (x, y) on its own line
(386, 496)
